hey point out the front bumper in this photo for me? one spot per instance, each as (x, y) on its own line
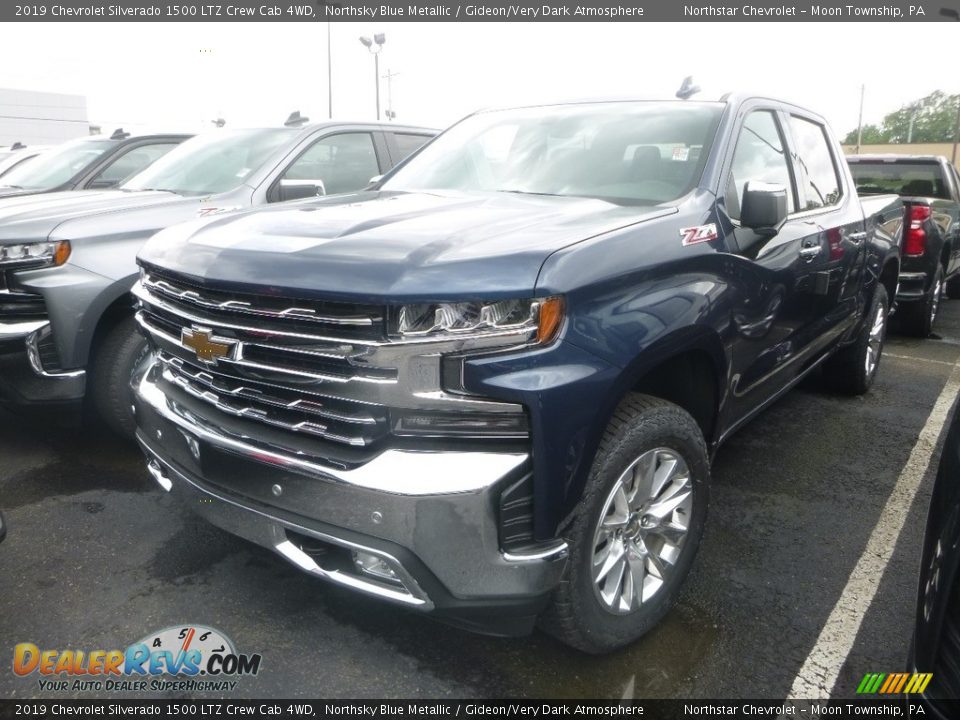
(428, 516)
(25, 380)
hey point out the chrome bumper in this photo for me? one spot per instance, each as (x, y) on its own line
(23, 379)
(430, 516)
(20, 330)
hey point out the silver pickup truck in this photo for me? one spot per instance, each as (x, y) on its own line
(68, 260)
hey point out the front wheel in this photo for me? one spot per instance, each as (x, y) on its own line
(118, 355)
(852, 370)
(636, 531)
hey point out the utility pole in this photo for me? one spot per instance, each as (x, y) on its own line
(329, 74)
(956, 133)
(389, 78)
(863, 89)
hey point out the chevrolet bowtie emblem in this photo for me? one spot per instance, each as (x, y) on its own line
(207, 347)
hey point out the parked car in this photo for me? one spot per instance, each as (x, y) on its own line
(14, 157)
(90, 163)
(68, 260)
(930, 188)
(936, 642)
(491, 386)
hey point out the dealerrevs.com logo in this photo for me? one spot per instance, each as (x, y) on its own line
(180, 658)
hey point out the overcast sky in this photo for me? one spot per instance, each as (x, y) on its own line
(181, 76)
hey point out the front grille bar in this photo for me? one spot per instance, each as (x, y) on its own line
(194, 297)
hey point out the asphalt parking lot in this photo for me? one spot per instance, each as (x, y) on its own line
(97, 556)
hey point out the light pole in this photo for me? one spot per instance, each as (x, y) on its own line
(375, 46)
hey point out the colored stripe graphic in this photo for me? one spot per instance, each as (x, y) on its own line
(894, 683)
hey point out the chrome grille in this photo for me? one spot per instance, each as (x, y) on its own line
(16, 306)
(325, 417)
(355, 321)
(333, 377)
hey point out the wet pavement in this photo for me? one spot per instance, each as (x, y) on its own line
(97, 556)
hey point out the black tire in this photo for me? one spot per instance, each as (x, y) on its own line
(917, 318)
(953, 288)
(115, 358)
(577, 615)
(847, 371)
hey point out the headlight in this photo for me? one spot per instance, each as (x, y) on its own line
(542, 317)
(35, 254)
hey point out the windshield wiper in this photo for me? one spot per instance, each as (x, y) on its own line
(529, 192)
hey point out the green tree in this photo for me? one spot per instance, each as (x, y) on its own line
(872, 135)
(934, 118)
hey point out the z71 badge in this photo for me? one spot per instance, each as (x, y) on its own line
(699, 234)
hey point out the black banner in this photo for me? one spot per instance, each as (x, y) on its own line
(469, 710)
(483, 11)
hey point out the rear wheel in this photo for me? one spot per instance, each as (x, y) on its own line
(636, 531)
(121, 349)
(952, 288)
(852, 370)
(917, 318)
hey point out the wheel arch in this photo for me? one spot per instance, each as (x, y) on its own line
(110, 307)
(664, 370)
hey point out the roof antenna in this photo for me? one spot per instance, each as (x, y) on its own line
(17, 146)
(687, 88)
(119, 134)
(296, 119)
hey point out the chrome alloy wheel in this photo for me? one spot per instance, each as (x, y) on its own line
(641, 530)
(875, 340)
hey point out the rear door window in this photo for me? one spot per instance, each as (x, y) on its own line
(819, 181)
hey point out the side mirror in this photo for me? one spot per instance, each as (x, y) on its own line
(373, 182)
(300, 189)
(764, 207)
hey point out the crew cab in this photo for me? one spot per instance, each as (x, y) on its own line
(930, 188)
(490, 386)
(68, 260)
(90, 163)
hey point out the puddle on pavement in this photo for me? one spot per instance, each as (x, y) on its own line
(661, 664)
(67, 477)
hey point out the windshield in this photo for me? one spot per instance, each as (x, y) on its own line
(900, 178)
(213, 163)
(636, 153)
(57, 166)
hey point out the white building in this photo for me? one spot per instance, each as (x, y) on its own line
(40, 118)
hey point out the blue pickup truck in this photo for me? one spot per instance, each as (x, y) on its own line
(491, 386)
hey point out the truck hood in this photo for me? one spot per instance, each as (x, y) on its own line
(397, 246)
(36, 217)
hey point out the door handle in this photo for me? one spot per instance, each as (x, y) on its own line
(857, 237)
(809, 253)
